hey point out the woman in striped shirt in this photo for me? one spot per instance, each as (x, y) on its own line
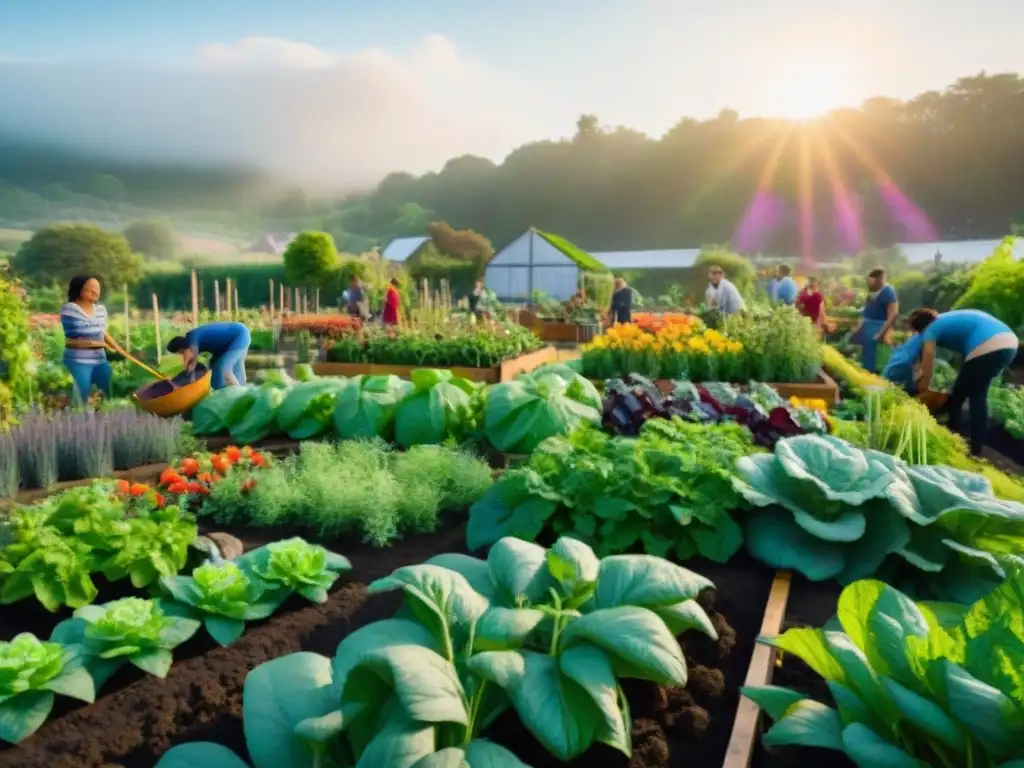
(86, 340)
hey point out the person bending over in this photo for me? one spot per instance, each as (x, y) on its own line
(987, 345)
(228, 343)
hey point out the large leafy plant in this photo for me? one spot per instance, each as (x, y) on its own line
(548, 633)
(831, 510)
(520, 414)
(366, 406)
(667, 490)
(439, 407)
(914, 684)
(127, 631)
(307, 408)
(298, 566)
(31, 674)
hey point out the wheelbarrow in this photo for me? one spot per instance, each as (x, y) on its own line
(166, 397)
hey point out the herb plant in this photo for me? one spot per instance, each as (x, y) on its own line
(31, 673)
(127, 631)
(669, 490)
(547, 633)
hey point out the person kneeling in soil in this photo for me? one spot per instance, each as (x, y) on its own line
(227, 342)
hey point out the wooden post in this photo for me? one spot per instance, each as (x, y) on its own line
(227, 297)
(156, 329)
(271, 305)
(195, 300)
(316, 301)
(280, 303)
(216, 299)
(297, 306)
(236, 297)
(127, 322)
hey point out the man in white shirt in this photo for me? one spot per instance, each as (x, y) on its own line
(722, 294)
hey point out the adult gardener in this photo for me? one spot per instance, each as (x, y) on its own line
(228, 343)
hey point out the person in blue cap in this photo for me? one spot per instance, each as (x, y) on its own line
(228, 343)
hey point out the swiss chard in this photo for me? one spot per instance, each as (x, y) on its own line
(128, 631)
(31, 673)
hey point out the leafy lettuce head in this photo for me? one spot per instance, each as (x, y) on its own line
(223, 589)
(131, 624)
(293, 563)
(26, 664)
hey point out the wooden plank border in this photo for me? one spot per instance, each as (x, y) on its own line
(505, 371)
(740, 751)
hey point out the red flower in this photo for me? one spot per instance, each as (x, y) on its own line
(178, 488)
(123, 487)
(138, 489)
(169, 476)
(189, 467)
(233, 454)
(258, 460)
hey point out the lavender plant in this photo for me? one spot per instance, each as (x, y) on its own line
(8, 467)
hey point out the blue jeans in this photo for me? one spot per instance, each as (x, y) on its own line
(86, 375)
(869, 346)
(234, 361)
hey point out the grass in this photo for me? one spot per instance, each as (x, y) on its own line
(358, 487)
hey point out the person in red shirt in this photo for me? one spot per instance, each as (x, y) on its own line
(811, 303)
(391, 302)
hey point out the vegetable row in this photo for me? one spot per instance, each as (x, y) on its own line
(547, 634)
(85, 651)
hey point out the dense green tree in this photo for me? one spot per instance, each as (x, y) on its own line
(154, 238)
(310, 260)
(56, 253)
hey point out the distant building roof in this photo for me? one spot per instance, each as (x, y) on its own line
(956, 251)
(273, 242)
(664, 259)
(403, 248)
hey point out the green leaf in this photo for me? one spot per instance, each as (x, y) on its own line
(224, 630)
(773, 699)
(23, 715)
(636, 639)
(773, 537)
(322, 728)
(556, 710)
(477, 754)
(866, 748)
(200, 753)
(927, 716)
(178, 631)
(719, 543)
(279, 695)
(75, 683)
(807, 724)
(644, 581)
(809, 646)
(990, 716)
(473, 569)
(519, 569)
(573, 564)
(592, 670)
(505, 629)
(156, 662)
(401, 742)
(363, 641)
(684, 616)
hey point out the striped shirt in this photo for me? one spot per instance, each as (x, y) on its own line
(80, 326)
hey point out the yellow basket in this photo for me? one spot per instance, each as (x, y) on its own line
(933, 400)
(174, 403)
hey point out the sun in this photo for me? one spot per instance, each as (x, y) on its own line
(810, 85)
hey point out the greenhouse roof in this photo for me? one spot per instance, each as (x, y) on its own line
(957, 251)
(582, 259)
(402, 248)
(662, 259)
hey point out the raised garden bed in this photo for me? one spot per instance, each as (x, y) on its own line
(824, 388)
(559, 332)
(505, 371)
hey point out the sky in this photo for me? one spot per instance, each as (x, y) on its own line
(338, 93)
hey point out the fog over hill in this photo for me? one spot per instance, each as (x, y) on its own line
(331, 122)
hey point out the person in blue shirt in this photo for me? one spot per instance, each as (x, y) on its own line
(987, 346)
(783, 288)
(877, 318)
(900, 368)
(228, 343)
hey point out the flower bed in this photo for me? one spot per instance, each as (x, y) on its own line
(327, 326)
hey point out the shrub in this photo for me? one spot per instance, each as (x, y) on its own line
(310, 259)
(997, 287)
(57, 252)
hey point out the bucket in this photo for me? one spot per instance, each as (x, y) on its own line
(933, 400)
(162, 398)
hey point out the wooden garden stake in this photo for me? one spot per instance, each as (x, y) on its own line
(156, 328)
(236, 296)
(316, 301)
(271, 305)
(195, 300)
(216, 299)
(127, 322)
(227, 296)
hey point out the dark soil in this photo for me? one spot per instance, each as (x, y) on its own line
(680, 726)
(811, 604)
(139, 717)
(201, 698)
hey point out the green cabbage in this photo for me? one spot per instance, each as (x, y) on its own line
(366, 406)
(439, 407)
(260, 421)
(520, 414)
(308, 407)
(222, 409)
